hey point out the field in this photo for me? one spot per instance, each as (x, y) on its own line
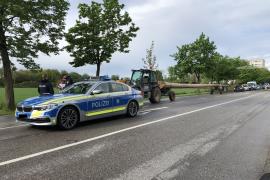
(23, 93)
(190, 91)
(20, 94)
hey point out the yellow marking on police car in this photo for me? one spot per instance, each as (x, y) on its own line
(95, 113)
(36, 114)
(119, 109)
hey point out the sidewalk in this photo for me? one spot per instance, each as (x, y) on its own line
(7, 121)
(7, 118)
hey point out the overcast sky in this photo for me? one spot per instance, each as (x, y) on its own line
(238, 28)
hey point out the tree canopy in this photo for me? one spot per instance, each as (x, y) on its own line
(30, 27)
(27, 28)
(250, 73)
(101, 30)
(195, 58)
(225, 68)
(201, 59)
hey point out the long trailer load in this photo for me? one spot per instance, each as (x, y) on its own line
(146, 81)
(180, 85)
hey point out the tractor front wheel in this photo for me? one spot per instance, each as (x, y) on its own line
(155, 95)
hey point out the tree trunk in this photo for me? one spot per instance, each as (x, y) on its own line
(198, 77)
(8, 82)
(98, 69)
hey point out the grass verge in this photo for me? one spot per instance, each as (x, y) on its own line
(190, 91)
(20, 94)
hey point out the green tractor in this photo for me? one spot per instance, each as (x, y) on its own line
(146, 81)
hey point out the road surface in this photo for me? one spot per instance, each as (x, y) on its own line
(200, 137)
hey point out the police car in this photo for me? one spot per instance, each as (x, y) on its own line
(80, 102)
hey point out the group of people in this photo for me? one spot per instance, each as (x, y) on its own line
(64, 82)
(45, 87)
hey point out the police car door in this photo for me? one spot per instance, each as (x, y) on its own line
(120, 96)
(100, 104)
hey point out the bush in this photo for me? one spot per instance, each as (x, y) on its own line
(1, 83)
(2, 105)
(27, 84)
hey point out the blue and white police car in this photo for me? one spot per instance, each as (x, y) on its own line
(80, 102)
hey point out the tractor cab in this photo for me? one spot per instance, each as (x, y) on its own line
(146, 81)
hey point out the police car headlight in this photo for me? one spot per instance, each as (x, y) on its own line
(45, 107)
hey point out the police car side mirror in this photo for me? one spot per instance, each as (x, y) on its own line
(96, 92)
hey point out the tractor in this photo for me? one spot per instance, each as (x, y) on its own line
(146, 81)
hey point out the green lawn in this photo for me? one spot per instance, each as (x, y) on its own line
(20, 94)
(23, 93)
(190, 91)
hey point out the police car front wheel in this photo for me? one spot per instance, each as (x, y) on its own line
(132, 109)
(68, 118)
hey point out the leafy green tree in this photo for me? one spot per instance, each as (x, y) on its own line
(27, 28)
(224, 68)
(159, 75)
(53, 75)
(195, 58)
(28, 78)
(172, 76)
(127, 79)
(101, 30)
(63, 72)
(1, 77)
(115, 77)
(85, 77)
(150, 61)
(263, 75)
(75, 76)
(250, 73)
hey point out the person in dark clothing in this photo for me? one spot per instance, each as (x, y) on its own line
(69, 80)
(45, 86)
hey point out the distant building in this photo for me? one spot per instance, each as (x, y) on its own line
(259, 63)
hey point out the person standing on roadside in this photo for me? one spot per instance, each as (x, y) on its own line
(69, 80)
(45, 86)
(62, 83)
(65, 82)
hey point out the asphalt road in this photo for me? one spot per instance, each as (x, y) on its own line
(201, 137)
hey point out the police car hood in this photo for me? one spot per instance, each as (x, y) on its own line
(42, 100)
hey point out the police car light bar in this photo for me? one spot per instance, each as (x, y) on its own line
(104, 78)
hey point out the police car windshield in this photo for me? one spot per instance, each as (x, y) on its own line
(78, 88)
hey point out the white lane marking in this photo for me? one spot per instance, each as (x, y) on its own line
(9, 127)
(154, 109)
(113, 133)
(146, 111)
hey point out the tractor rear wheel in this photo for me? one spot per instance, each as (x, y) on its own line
(155, 95)
(171, 95)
